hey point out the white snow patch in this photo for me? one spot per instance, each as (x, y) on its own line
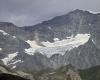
(79, 39)
(3, 32)
(9, 58)
(13, 67)
(0, 49)
(56, 39)
(14, 36)
(93, 41)
(17, 61)
(58, 46)
(34, 46)
(94, 12)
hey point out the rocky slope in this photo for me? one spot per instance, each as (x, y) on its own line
(85, 56)
(68, 73)
(63, 73)
(8, 74)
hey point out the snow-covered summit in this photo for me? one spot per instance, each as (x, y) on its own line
(93, 12)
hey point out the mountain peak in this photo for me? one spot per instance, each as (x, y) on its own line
(84, 11)
(77, 10)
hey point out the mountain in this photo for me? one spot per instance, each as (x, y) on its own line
(72, 38)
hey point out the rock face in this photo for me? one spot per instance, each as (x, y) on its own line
(71, 75)
(68, 39)
(63, 73)
(84, 56)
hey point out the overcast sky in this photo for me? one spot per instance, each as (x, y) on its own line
(30, 12)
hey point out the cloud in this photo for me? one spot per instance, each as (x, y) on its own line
(30, 12)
